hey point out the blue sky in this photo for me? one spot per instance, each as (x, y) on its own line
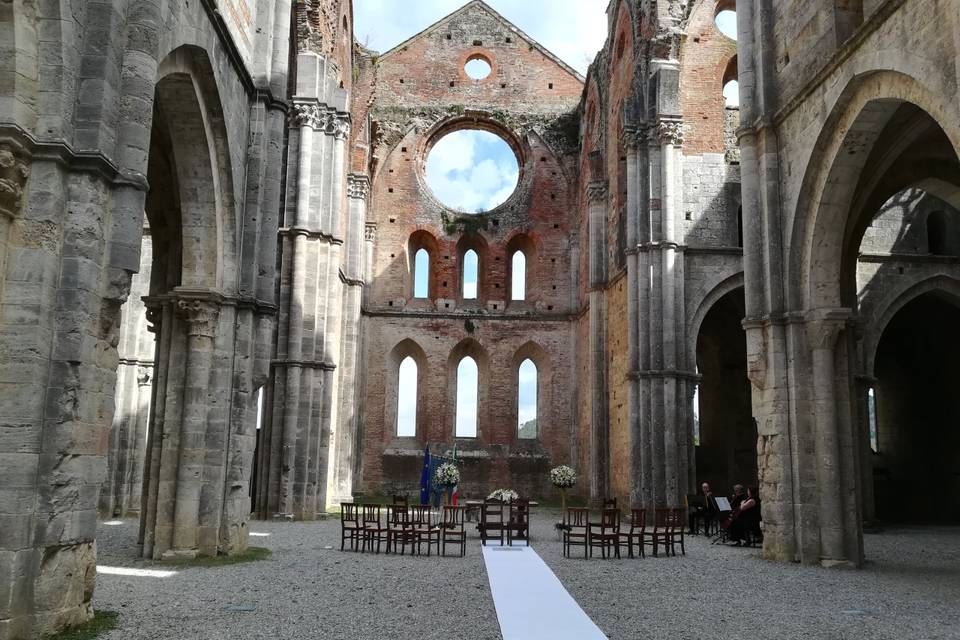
(472, 170)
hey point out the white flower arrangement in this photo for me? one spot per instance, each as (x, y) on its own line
(447, 475)
(563, 477)
(504, 495)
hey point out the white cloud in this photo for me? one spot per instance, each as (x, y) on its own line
(472, 170)
(574, 30)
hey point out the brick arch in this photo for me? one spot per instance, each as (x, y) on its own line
(731, 283)
(405, 348)
(469, 347)
(477, 242)
(532, 351)
(423, 239)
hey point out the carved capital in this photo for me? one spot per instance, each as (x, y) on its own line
(597, 191)
(201, 315)
(370, 232)
(358, 186)
(824, 326)
(144, 375)
(629, 140)
(14, 171)
(670, 132)
(338, 125)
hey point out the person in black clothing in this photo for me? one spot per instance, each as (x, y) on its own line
(703, 513)
(746, 525)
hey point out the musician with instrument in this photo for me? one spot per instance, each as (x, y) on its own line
(745, 519)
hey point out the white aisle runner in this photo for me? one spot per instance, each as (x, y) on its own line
(530, 600)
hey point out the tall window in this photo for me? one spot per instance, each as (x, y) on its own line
(407, 399)
(421, 274)
(518, 287)
(527, 400)
(471, 265)
(872, 418)
(467, 388)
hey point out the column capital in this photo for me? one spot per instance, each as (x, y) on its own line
(670, 132)
(824, 326)
(370, 232)
(321, 117)
(144, 375)
(200, 309)
(358, 186)
(597, 191)
(630, 139)
(14, 171)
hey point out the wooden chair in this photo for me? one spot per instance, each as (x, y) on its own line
(575, 524)
(491, 521)
(451, 528)
(350, 527)
(421, 528)
(638, 525)
(675, 529)
(373, 529)
(660, 533)
(398, 531)
(518, 526)
(605, 533)
(610, 503)
(398, 499)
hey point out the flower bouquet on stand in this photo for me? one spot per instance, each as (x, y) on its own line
(563, 478)
(446, 476)
(504, 495)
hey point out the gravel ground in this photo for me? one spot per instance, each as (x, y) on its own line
(909, 589)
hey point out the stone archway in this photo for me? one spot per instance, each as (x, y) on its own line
(726, 451)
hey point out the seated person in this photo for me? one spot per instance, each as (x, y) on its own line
(735, 501)
(702, 513)
(746, 523)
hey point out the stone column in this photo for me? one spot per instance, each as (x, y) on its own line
(823, 328)
(630, 143)
(200, 310)
(599, 418)
(358, 189)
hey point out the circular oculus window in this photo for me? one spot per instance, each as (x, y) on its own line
(472, 170)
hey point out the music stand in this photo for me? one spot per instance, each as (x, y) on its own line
(723, 510)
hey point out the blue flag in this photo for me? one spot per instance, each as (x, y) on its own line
(425, 477)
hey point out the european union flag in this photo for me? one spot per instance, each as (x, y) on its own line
(425, 477)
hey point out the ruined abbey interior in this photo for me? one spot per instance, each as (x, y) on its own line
(228, 292)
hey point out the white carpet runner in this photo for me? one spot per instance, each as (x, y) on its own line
(530, 600)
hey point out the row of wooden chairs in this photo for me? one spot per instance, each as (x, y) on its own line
(608, 534)
(369, 526)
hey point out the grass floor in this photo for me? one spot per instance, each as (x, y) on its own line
(102, 622)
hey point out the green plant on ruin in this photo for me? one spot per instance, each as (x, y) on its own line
(252, 554)
(102, 622)
(463, 225)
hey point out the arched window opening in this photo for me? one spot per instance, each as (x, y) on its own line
(421, 274)
(872, 419)
(467, 394)
(726, 22)
(731, 84)
(518, 284)
(471, 268)
(527, 400)
(407, 399)
(937, 233)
